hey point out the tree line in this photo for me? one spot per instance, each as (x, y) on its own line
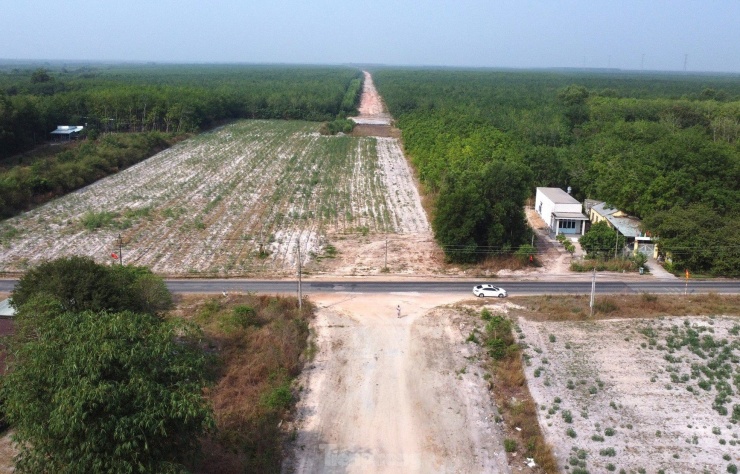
(663, 147)
(154, 106)
(169, 99)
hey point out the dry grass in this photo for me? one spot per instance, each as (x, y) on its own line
(576, 307)
(515, 403)
(504, 262)
(258, 342)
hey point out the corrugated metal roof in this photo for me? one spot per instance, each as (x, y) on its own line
(67, 129)
(603, 210)
(627, 226)
(558, 196)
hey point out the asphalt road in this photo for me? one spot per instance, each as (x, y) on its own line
(513, 287)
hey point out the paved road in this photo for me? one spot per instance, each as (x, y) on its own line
(514, 287)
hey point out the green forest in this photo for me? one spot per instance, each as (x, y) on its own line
(131, 112)
(662, 147)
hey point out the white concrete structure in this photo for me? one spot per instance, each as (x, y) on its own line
(561, 211)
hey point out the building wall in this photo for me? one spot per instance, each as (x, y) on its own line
(595, 217)
(545, 208)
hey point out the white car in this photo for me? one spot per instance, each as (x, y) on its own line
(489, 290)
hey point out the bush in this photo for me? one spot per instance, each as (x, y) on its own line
(498, 336)
(278, 398)
(339, 125)
(525, 253)
(605, 306)
(509, 445)
(79, 284)
(92, 392)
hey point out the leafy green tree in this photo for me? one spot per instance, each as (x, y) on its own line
(40, 75)
(80, 284)
(601, 240)
(106, 392)
(480, 212)
(699, 239)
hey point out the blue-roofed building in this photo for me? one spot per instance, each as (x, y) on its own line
(628, 226)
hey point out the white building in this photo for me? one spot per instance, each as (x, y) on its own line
(561, 211)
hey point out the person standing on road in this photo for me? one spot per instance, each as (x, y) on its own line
(398, 310)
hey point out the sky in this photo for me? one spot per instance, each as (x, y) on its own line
(695, 35)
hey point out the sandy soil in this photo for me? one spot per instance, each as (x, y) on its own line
(623, 382)
(389, 394)
(210, 203)
(372, 109)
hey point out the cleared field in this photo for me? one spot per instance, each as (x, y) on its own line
(240, 200)
(637, 395)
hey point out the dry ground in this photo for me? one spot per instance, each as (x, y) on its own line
(394, 395)
(208, 205)
(622, 375)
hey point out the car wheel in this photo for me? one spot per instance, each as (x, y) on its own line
(500, 295)
(481, 295)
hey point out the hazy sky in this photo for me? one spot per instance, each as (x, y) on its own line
(627, 34)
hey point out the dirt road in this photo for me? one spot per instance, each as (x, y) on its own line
(390, 395)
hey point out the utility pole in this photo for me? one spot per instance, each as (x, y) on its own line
(593, 292)
(616, 242)
(120, 249)
(300, 293)
(385, 266)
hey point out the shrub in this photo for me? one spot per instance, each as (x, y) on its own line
(509, 445)
(279, 397)
(606, 306)
(95, 220)
(104, 406)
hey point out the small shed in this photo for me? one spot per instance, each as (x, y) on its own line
(68, 131)
(560, 210)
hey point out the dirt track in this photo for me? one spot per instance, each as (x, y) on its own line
(389, 394)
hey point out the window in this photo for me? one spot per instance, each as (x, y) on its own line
(567, 224)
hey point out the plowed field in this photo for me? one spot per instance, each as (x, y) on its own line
(244, 199)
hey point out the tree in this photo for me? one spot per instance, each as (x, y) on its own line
(480, 212)
(601, 240)
(40, 75)
(106, 392)
(79, 284)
